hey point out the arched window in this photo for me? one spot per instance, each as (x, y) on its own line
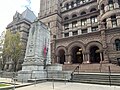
(92, 10)
(66, 18)
(74, 15)
(83, 13)
(117, 44)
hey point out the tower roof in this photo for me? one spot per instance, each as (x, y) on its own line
(27, 15)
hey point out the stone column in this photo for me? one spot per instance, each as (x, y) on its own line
(88, 58)
(5, 67)
(58, 59)
(101, 57)
(109, 24)
(69, 59)
(118, 20)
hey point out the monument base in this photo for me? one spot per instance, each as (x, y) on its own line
(39, 73)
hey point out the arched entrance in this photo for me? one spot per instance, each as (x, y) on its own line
(94, 54)
(61, 56)
(77, 56)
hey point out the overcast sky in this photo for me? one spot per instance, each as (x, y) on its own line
(9, 7)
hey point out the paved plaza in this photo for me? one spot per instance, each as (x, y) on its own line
(61, 86)
(68, 86)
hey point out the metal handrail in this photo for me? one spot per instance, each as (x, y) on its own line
(77, 67)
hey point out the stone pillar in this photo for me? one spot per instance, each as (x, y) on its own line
(106, 8)
(10, 67)
(118, 20)
(88, 58)
(101, 56)
(58, 59)
(109, 24)
(116, 5)
(69, 58)
(79, 32)
(5, 67)
(70, 34)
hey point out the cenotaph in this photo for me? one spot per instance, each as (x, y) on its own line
(37, 61)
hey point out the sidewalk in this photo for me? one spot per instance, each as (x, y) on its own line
(68, 86)
(59, 86)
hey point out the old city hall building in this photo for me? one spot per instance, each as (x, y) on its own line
(83, 31)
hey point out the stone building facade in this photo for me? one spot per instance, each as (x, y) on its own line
(83, 31)
(22, 23)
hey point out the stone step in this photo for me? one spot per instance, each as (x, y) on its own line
(97, 78)
(92, 67)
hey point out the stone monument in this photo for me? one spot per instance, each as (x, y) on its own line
(37, 61)
(37, 53)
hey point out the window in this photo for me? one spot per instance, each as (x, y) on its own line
(67, 6)
(72, 4)
(66, 18)
(83, 22)
(102, 8)
(66, 34)
(84, 31)
(83, 1)
(104, 23)
(117, 44)
(66, 26)
(92, 10)
(113, 21)
(119, 2)
(74, 24)
(94, 29)
(83, 13)
(93, 19)
(74, 15)
(75, 33)
(111, 4)
(78, 2)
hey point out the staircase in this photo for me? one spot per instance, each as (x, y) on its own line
(92, 68)
(97, 78)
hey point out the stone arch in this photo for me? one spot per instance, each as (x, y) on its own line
(76, 50)
(61, 48)
(66, 16)
(73, 14)
(94, 50)
(83, 10)
(61, 54)
(114, 38)
(112, 41)
(76, 43)
(91, 7)
(94, 43)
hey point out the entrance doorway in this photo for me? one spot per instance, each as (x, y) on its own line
(77, 56)
(61, 56)
(94, 55)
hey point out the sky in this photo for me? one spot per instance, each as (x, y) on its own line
(9, 7)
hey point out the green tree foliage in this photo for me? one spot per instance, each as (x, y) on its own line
(12, 49)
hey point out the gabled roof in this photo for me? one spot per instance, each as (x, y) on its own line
(27, 16)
